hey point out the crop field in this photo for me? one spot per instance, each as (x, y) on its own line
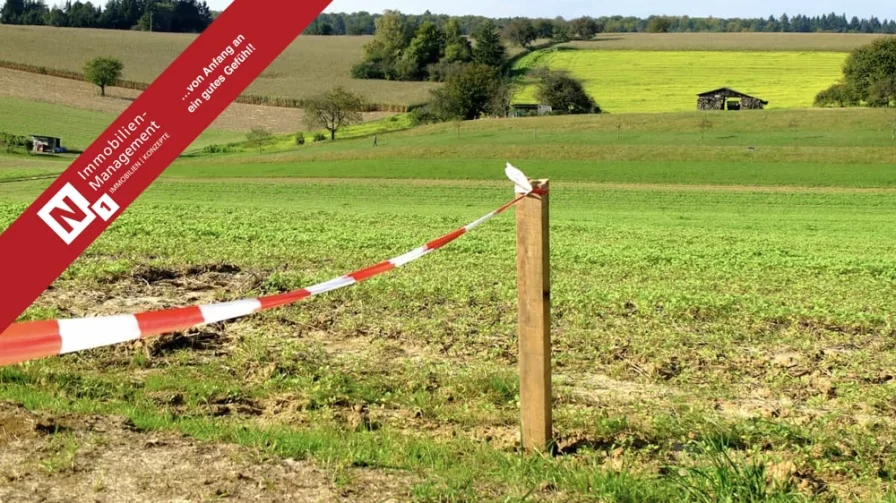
(722, 321)
(309, 66)
(668, 81)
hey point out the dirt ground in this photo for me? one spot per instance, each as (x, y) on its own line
(72, 93)
(46, 458)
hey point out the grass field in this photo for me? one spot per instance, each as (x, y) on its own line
(77, 128)
(723, 320)
(66, 93)
(840, 148)
(667, 81)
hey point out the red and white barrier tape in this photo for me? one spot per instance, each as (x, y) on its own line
(37, 339)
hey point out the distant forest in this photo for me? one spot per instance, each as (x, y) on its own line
(362, 23)
(180, 16)
(193, 16)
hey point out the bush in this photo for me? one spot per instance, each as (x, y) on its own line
(259, 137)
(423, 115)
(218, 149)
(838, 95)
(319, 137)
(564, 94)
(300, 138)
(882, 92)
(368, 69)
(13, 141)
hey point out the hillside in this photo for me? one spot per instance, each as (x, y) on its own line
(852, 147)
(62, 92)
(78, 128)
(316, 63)
(312, 64)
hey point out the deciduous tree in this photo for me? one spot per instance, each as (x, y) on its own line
(870, 63)
(584, 27)
(474, 90)
(561, 33)
(520, 32)
(334, 110)
(544, 28)
(103, 71)
(258, 137)
(659, 25)
(384, 52)
(457, 47)
(425, 49)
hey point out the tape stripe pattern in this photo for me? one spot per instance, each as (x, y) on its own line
(147, 137)
(38, 339)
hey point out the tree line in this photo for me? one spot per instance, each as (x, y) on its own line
(180, 16)
(471, 91)
(476, 76)
(194, 16)
(363, 23)
(402, 50)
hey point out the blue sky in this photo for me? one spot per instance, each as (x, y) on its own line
(643, 8)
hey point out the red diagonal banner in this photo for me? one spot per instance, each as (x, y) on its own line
(142, 142)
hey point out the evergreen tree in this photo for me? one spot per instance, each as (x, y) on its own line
(489, 50)
(12, 12)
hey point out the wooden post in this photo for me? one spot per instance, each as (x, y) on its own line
(534, 304)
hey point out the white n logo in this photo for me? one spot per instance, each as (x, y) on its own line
(68, 212)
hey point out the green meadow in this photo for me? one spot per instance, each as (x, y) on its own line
(78, 128)
(625, 81)
(722, 307)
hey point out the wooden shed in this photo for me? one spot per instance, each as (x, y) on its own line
(727, 98)
(526, 109)
(45, 144)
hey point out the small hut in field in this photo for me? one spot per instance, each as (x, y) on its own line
(726, 98)
(528, 109)
(45, 144)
